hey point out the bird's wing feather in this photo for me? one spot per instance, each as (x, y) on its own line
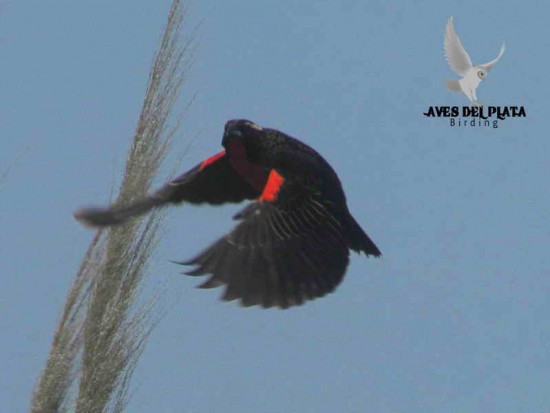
(213, 181)
(489, 65)
(457, 57)
(288, 248)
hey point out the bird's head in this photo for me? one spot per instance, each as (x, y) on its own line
(242, 130)
(481, 73)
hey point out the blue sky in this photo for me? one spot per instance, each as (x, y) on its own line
(453, 318)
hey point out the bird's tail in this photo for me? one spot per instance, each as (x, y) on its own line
(452, 85)
(116, 214)
(360, 241)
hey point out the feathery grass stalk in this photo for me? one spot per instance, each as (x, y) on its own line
(53, 391)
(101, 333)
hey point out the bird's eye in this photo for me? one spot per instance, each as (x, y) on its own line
(235, 133)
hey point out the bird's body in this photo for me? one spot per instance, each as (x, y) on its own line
(292, 243)
(460, 62)
(469, 83)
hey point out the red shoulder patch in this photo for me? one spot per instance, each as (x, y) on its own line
(272, 186)
(211, 160)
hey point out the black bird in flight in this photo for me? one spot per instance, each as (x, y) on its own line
(292, 242)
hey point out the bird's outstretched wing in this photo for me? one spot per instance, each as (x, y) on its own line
(288, 248)
(213, 181)
(488, 66)
(456, 56)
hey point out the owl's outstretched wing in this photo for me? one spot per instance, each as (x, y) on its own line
(457, 58)
(488, 66)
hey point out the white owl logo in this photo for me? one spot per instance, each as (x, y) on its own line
(460, 62)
